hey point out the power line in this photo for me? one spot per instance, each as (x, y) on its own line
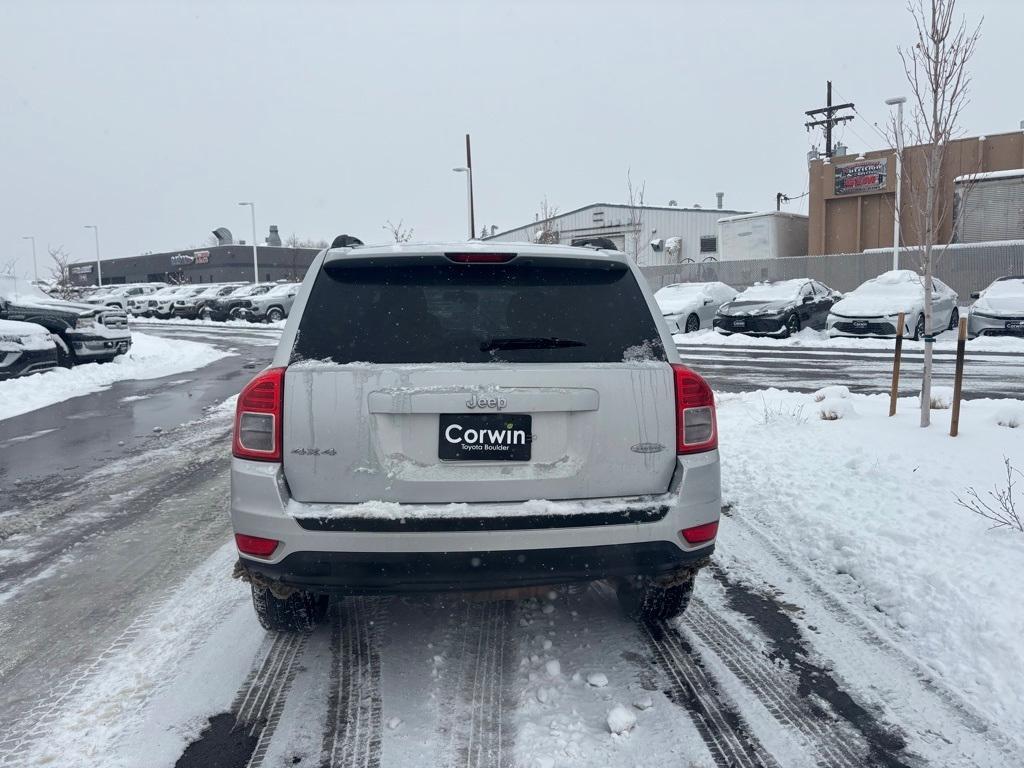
(873, 126)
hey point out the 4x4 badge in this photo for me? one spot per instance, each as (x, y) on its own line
(647, 448)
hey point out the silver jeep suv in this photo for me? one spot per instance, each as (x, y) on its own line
(473, 416)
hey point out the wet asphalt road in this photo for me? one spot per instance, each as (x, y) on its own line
(50, 448)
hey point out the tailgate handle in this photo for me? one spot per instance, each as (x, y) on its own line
(516, 401)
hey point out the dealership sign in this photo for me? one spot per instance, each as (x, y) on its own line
(864, 176)
(85, 269)
(182, 258)
(201, 257)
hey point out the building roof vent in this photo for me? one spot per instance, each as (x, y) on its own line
(721, 197)
(274, 238)
(224, 236)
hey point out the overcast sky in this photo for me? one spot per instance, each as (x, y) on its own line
(153, 120)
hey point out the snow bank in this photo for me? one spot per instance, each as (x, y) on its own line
(868, 506)
(205, 323)
(151, 357)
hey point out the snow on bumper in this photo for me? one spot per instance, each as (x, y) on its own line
(548, 540)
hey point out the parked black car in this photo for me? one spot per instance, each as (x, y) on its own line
(779, 308)
(227, 307)
(25, 348)
(84, 333)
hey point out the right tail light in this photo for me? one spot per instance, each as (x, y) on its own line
(696, 424)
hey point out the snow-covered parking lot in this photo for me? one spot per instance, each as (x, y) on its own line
(854, 615)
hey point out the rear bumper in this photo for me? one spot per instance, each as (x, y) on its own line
(487, 545)
(399, 572)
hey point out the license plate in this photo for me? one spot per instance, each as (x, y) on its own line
(484, 437)
(739, 323)
(860, 323)
(1015, 325)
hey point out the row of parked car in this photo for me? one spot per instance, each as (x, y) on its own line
(259, 302)
(785, 307)
(39, 331)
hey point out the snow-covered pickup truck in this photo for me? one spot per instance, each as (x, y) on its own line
(84, 333)
(25, 348)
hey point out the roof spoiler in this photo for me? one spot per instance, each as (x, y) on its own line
(346, 241)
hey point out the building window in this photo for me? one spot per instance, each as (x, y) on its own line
(709, 244)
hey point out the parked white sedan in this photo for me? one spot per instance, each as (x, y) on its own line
(873, 308)
(999, 309)
(688, 307)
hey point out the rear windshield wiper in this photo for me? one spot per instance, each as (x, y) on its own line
(528, 342)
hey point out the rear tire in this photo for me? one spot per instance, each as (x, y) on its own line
(275, 315)
(299, 612)
(652, 602)
(692, 324)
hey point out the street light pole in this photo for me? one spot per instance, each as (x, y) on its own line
(35, 267)
(99, 267)
(469, 196)
(255, 256)
(898, 101)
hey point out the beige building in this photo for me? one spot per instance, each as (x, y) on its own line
(851, 198)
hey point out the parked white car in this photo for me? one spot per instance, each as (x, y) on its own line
(119, 296)
(873, 308)
(999, 309)
(688, 307)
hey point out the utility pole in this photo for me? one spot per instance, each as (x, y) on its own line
(830, 120)
(472, 214)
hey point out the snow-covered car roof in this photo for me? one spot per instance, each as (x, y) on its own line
(679, 296)
(780, 290)
(18, 328)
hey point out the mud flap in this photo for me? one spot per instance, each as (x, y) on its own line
(278, 590)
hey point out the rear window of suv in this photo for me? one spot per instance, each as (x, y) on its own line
(583, 312)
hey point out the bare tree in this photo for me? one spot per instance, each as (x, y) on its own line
(60, 272)
(936, 70)
(9, 269)
(1001, 511)
(400, 234)
(546, 230)
(294, 241)
(635, 216)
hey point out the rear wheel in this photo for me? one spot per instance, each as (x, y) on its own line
(275, 315)
(692, 324)
(299, 612)
(954, 319)
(645, 599)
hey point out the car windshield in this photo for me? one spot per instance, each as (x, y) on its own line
(784, 290)
(1006, 289)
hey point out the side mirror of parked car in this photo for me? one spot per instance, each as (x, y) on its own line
(976, 295)
(707, 301)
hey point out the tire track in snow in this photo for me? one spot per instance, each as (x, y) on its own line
(353, 737)
(778, 692)
(477, 722)
(871, 635)
(721, 726)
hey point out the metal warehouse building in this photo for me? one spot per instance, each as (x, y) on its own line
(655, 235)
(215, 264)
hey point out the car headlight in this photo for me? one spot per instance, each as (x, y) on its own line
(85, 322)
(14, 339)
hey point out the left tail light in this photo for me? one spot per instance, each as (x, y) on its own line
(258, 418)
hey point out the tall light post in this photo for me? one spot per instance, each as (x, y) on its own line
(469, 196)
(99, 267)
(255, 257)
(898, 102)
(35, 267)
